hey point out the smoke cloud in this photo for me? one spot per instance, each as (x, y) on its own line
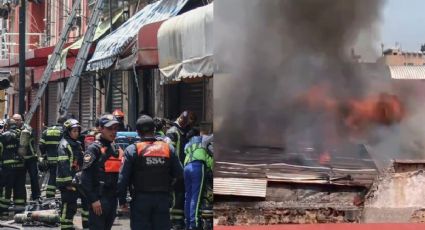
(271, 52)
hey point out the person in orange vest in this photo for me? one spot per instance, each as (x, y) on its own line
(69, 163)
(150, 167)
(99, 177)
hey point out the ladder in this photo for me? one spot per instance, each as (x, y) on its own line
(52, 62)
(81, 59)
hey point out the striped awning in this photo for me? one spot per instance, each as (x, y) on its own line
(407, 72)
(185, 45)
(108, 48)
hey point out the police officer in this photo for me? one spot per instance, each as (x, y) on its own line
(101, 164)
(12, 168)
(70, 161)
(177, 135)
(197, 165)
(150, 167)
(49, 143)
(30, 159)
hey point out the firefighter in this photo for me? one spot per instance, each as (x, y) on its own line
(92, 135)
(2, 126)
(70, 161)
(30, 159)
(13, 168)
(198, 168)
(101, 164)
(177, 135)
(119, 115)
(49, 143)
(4, 203)
(150, 167)
(159, 127)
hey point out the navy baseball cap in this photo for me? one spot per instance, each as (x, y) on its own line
(145, 123)
(107, 120)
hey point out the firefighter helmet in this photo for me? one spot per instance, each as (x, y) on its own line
(118, 113)
(71, 123)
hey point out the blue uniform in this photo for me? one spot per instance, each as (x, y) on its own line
(151, 178)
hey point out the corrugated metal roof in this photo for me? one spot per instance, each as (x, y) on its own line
(240, 187)
(112, 45)
(407, 72)
(350, 165)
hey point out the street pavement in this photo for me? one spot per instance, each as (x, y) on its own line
(121, 223)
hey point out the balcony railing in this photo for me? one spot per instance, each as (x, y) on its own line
(9, 44)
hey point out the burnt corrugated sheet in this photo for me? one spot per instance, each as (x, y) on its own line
(349, 169)
(240, 187)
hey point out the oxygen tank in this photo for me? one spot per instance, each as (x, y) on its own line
(24, 140)
(45, 216)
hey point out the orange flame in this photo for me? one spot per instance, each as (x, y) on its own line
(356, 115)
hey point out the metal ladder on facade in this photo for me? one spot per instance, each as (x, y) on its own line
(81, 59)
(52, 62)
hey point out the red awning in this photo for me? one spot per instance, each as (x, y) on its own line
(70, 61)
(38, 71)
(33, 58)
(147, 45)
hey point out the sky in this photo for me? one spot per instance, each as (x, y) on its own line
(403, 21)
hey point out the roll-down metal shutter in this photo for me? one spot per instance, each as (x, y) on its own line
(74, 107)
(192, 98)
(35, 118)
(87, 102)
(15, 103)
(117, 91)
(52, 103)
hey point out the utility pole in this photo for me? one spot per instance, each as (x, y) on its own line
(22, 36)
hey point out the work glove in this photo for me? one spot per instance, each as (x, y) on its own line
(43, 165)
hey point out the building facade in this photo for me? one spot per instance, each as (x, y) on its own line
(398, 57)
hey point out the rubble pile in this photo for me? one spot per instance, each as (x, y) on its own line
(397, 196)
(280, 213)
(293, 204)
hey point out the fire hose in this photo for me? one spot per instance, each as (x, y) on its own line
(7, 224)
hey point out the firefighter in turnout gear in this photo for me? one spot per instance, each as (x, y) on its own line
(150, 167)
(119, 115)
(49, 143)
(198, 168)
(70, 161)
(13, 171)
(177, 135)
(4, 203)
(30, 157)
(101, 164)
(159, 126)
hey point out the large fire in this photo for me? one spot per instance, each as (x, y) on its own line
(354, 115)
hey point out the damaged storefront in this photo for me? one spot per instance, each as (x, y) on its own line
(119, 59)
(186, 63)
